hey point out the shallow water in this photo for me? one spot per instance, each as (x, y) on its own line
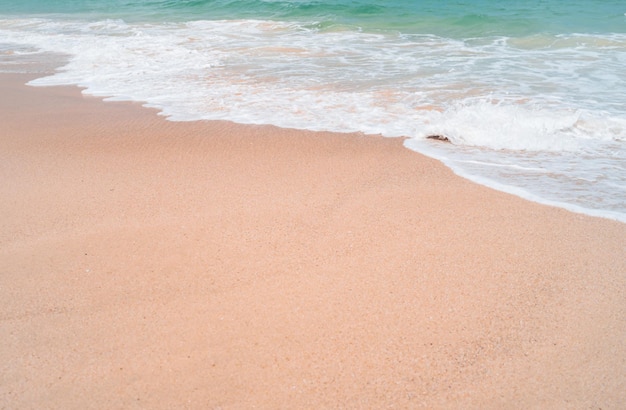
(532, 96)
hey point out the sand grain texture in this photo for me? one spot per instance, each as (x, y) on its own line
(150, 264)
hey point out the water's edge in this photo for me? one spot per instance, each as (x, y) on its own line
(47, 64)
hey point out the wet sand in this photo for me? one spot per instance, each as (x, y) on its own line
(151, 264)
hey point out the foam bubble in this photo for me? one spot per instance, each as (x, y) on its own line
(507, 126)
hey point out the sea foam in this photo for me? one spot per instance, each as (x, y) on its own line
(508, 105)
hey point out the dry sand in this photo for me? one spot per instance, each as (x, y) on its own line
(151, 264)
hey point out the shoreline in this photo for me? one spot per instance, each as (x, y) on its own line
(150, 263)
(529, 196)
(54, 60)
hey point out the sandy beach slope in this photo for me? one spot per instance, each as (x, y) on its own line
(151, 264)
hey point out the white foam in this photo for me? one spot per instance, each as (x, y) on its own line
(555, 179)
(554, 104)
(507, 126)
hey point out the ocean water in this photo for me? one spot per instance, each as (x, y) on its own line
(531, 95)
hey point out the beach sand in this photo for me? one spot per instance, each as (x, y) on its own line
(161, 265)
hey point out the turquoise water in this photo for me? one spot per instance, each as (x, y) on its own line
(446, 18)
(531, 94)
